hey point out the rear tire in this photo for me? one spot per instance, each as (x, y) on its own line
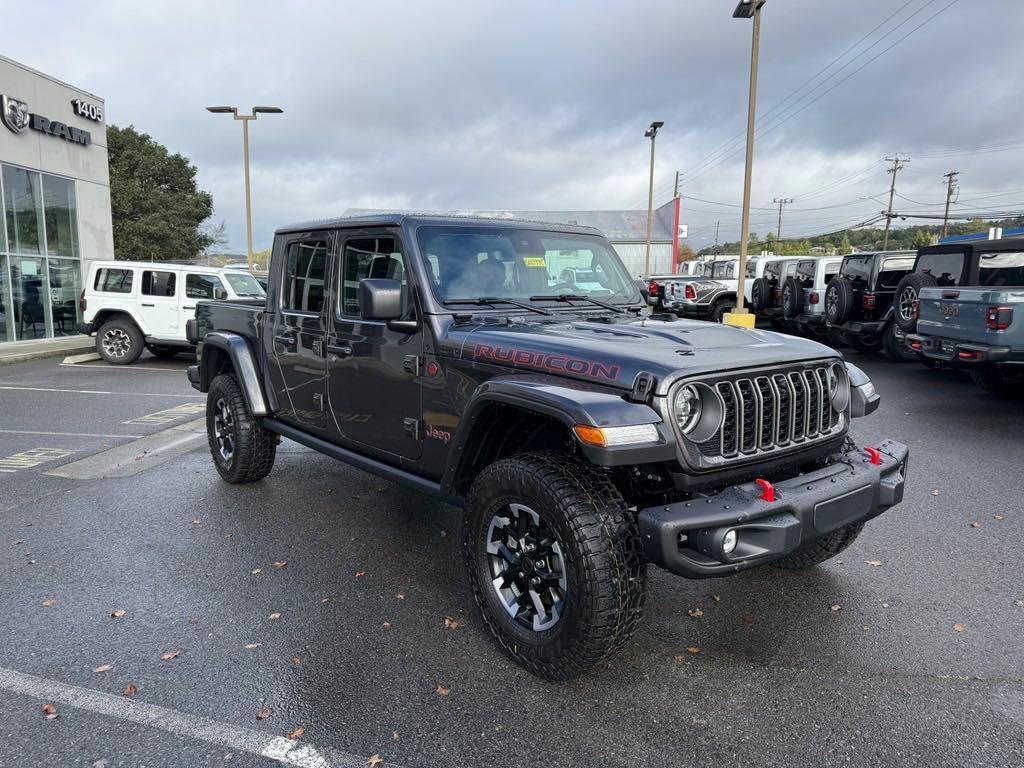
(759, 293)
(721, 307)
(895, 349)
(553, 556)
(908, 290)
(119, 341)
(838, 300)
(792, 298)
(243, 449)
(821, 549)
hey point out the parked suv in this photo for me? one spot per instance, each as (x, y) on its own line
(766, 289)
(979, 329)
(802, 294)
(136, 305)
(859, 302)
(708, 296)
(507, 367)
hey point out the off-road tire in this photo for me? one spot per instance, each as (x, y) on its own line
(606, 576)
(838, 300)
(254, 446)
(119, 341)
(760, 293)
(836, 338)
(898, 353)
(720, 308)
(792, 298)
(994, 382)
(821, 549)
(908, 290)
(163, 351)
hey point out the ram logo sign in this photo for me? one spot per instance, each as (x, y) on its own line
(15, 113)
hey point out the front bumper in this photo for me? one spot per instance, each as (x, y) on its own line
(192, 374)
(686, 537)
(960, 352)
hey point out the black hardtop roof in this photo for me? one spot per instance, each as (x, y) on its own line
(1008, 244)
(399, 219)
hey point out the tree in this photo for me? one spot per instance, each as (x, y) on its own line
(685, 253)
(921, 238)
(217, 233)
(157, 208)
(844, 245)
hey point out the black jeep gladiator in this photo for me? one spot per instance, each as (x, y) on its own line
(513, 368)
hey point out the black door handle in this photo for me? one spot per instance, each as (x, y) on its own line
(147, 305)
(287, 341)
(340, 350)
(188, 306)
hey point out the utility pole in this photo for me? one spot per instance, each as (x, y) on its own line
(951, 180)
(717, 225)
(897, 165)
(675, 190)
(652, 134)
(781, 201)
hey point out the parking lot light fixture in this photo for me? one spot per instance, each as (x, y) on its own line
(245, 163)
(651, 133)
(747, 9)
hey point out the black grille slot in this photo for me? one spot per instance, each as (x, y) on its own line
(769, 404)
(784, 425)
(731, 417)
(749, 411)
(813, 403)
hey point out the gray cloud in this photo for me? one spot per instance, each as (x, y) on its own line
(533, 105)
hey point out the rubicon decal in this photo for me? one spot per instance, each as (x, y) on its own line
(547, 362)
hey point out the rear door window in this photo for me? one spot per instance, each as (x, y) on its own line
(304, 277)
(946, 268)
(831, 270)
(893, 270)
(998, 269)
(858, 271)
(114, 280)
(158, 283)
(201, 286)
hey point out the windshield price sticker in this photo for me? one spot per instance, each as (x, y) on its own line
(535, 261)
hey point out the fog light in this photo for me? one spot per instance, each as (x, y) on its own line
(729, 541)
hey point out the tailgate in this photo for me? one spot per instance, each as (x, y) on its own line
(960, 313)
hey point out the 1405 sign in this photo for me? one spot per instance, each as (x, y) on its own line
(85, 109)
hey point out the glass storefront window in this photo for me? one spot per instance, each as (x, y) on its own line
(61, 216)
(23, 210)
(65, 287)
(30, 302)
(6, 313)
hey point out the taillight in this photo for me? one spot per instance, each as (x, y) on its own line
(691, 293)
(813, 298)
(867, 301)
(81, 302)
(998, 318)
(652, 287)
(915, 309)
(778, 294)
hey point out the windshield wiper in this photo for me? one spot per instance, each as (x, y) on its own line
(568, 297)
(489, 300)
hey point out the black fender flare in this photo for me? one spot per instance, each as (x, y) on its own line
(569, 403)
(242, 359)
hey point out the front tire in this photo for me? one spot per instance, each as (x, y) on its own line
(243, 449)
(119, 341)
(821, 549)
(553, 556)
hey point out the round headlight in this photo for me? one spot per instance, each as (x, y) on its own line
(687, 407)
(838, 387)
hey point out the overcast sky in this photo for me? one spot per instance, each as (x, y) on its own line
(543, 105)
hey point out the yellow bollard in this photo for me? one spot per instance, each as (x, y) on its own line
(740, 320)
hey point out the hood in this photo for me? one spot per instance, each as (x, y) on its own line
(613, 350)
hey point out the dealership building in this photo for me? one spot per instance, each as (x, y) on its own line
(55, 191)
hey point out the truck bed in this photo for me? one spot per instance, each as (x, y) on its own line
(241, 316)
(961, 314)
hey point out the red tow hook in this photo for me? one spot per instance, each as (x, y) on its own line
(767, 489)
(876, 457)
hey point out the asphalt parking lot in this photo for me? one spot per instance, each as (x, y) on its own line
(317, 599)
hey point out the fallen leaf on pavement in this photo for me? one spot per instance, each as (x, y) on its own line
(695, 613)
(836, 607)
(444, 533)
(747, 619)
(395, 736)
(130, 690)
(959, 627)
(48, 602)
(169, 655)
(264, 713)
(50, 711)
(386, 625)
(118, 613)
(296, 734)
(1019, 603)
(935, 492)
(693, 650)
(256, 571)
(451, 623)
(866, 628)
(975, 524)
(274, 616)
(196, 521)
(194, 620)
(296, 659)
(19, 541)
(875, 563)
(324, 599)
(400, 596)
(104, 668)
(998, 517)
(374, 761)
(442, 691)
(717, 598)
(360, 574)
(250, 646)
(101, 763)
(280, 563)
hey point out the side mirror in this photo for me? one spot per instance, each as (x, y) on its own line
(380, 299)
(220, 294)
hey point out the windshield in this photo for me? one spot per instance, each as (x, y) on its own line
(244, 284)
(500, 262)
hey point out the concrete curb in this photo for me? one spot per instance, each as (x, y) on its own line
(53, 349)
(87, 357)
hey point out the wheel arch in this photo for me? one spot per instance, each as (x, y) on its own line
(104, 316)
(231, 353)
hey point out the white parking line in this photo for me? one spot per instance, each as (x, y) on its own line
(234, 737)
(178, 371)
(64, 434)
(91, 391)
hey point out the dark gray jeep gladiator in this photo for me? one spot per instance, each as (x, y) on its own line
(513, 368)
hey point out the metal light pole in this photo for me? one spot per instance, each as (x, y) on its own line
(652, 134)
(245, 164)
(747, 9)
